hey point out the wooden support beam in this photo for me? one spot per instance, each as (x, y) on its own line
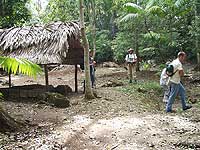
(46, 76)
(76, 79)
(9, 76)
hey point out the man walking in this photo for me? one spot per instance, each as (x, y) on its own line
(176, 86)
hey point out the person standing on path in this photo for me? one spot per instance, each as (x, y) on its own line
(175, 84)
(131, 59)
(92, 68)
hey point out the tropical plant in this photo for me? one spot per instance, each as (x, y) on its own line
(139, 15)
(15, 65)
(120, 46)
(103, 46)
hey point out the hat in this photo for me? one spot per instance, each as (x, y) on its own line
(130, 49)
(181, 53)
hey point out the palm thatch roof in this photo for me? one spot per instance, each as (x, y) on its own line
(41, 44)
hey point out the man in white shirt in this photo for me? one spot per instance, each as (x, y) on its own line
(131, 60)
(176, 86)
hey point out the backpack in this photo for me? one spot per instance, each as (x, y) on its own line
(170, 70)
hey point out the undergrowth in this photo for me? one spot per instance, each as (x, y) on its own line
(147, 94)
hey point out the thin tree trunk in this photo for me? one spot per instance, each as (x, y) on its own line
(93, 27)
(76, 79)
(46, 77)
(88, 89)
(113, 24)
(136, 45)
(197, 20)
(136, 49)
(9, 78)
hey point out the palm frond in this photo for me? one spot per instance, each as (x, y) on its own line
(150, 3)
(133, 8)
(148, 51)
(155, 10)
(129, 17)
(179, 3)
(152, 35)
(14, 65)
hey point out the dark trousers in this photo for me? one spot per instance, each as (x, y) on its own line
(92, 75)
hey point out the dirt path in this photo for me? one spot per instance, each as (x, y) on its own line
(114, 121)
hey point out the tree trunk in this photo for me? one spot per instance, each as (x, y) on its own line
(136, 49)
(88, 89)
(136, 45)
(93, 27)
(113, 24)
(7, 123)
(197, 22)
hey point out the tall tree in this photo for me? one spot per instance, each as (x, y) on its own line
(93, 26)
(91, 16)
(88, 89)
(197, 29)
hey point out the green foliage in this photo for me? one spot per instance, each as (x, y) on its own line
(120, 46)
(143, 87)
(103, 47)
(14, 65)
(148, 53)
(145, 65)
(13, 13)
(145, 93)
(158, 28)
(133, 8)
(162, 66)
(1, 97)
(61, 10)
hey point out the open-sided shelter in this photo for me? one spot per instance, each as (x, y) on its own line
(54, 43)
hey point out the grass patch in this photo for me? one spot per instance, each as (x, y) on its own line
(147, 94)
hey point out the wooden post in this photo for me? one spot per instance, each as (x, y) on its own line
(9, 76)
(76, 81)
(46, 76)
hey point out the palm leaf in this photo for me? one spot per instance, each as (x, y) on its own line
(149, 51)
(133, 8)
(14, 65)
(152, 35)
(179, 3)
(150, 4)
(156, 10)
(129, 17)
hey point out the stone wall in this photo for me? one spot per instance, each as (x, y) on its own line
(33, 91)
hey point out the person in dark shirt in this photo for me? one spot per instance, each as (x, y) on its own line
(92, 68)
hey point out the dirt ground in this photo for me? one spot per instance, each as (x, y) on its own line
(116, 120)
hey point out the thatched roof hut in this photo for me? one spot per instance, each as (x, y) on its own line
(44, 44)
(55, 43)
